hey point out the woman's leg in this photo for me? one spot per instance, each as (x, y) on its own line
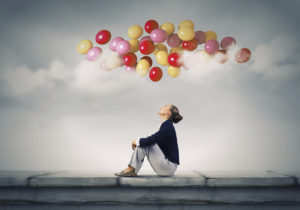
(156, 158)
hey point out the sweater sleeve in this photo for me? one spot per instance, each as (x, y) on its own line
(159, 136)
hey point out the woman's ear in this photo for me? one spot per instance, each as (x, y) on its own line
(169, 113)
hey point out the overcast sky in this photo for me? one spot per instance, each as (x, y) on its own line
(59, 111)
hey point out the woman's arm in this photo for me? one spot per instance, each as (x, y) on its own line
(157, 137)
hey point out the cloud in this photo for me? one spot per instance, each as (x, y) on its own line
(278, 61)
(86, 78)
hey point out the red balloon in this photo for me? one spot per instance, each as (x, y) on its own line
(243, 55)
(148, 59)
(190, 45)
(103, 37)
(155, 74)
(147, 47)
(174, 60)
(130, 59)
(150, 25)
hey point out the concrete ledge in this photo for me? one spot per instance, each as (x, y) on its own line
(195, 178)
(184, 188)
(247, 178)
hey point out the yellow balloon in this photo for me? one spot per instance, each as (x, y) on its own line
(159, 47)
(176, 49)
(186, 33)
(210, 35)
(84, 46)
(134, 45)
(186, 23)
(168, 27)
(135, 32)
(162, 57)
(173, 71)
(142, 67)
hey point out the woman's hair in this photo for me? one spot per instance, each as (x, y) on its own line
(175, 116)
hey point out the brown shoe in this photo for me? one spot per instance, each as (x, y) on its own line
(123, 173)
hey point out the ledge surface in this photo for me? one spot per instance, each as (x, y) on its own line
(195, 178)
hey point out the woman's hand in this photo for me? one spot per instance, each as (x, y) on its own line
(133, 144)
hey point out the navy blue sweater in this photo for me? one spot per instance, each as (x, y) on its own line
(166, 139)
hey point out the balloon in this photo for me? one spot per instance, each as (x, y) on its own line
(148, 59)
(173, 40)
(155, 74)
(186, 33)
(221, 56)
(168, 27)
(104, 66)
(102, 37)
(186, 23)
(173, 71)
(134, 43)
(150, 25)
(113, 43)
(159, 47)
(94, 53)
(147, 47)
(190, 45)
(211, 46)
(143, 67)
(84, 46)
(162, 57)
(130, 69)
(242, 55)
(145, 38)
(135, 32)
(210, 35)
(228, 43)
(158, 35)
(129, 59)
(123, 47)
(175, 59)
(200, 36)
(176, 49)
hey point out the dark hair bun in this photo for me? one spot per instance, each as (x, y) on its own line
(177, 118)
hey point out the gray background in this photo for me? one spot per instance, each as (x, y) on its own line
(58, 111)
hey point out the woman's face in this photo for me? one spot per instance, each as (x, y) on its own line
(165, 110)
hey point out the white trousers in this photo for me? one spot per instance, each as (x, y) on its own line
(161, 165)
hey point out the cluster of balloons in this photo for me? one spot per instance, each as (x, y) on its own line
(186, 39)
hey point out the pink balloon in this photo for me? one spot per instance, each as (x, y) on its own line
(211, 46)
(228, 42)
(94, 53)
(145, 38)
(158, 35)
(113, 43)
(130, 69)
(123, 47)
(200, 36)
(173, 40)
